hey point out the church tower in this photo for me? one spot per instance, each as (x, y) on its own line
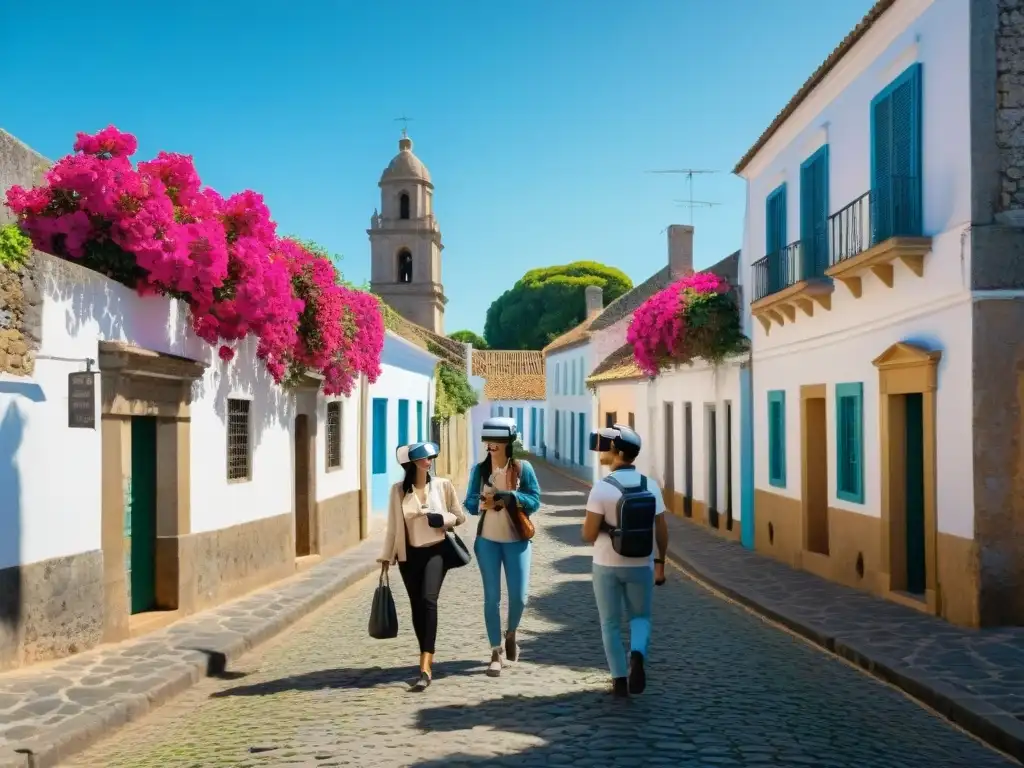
(405, 242)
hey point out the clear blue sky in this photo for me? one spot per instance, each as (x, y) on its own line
(537, 118)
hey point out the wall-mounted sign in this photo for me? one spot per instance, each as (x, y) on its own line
(82, 400)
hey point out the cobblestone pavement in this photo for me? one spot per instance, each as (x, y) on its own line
(726, 689)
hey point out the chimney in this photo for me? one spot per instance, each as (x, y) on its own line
(595, 300)
(680, 250)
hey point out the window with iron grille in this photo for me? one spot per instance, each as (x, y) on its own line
(334, 434)
(239, 447)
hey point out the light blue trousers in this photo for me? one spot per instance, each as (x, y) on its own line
(515, 557)
(632, 587)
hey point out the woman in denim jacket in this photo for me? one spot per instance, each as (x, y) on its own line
(498, 483)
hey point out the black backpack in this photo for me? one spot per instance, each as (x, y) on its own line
(637, 508)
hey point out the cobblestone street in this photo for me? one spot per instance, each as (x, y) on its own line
(726, 689)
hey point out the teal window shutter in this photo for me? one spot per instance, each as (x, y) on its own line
(533, 427)
(419, 421)
(519, 420)
(380, 435)
(814, 214)
(775, 238)
(777, 438)
(850, 442)
(896, 137)
(403, 422)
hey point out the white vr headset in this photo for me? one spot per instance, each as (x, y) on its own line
(618, 435)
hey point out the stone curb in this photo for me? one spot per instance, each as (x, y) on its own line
(990, 724)
(49, 748)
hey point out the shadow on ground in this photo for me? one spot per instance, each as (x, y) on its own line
(575, 643)
(569, 534)
(370, 677)
(574, 564)
(564, 721)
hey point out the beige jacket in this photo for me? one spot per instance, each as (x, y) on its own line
(405, 508)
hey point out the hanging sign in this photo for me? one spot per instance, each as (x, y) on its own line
(82, 400)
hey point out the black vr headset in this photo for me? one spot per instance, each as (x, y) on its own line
(618, 436)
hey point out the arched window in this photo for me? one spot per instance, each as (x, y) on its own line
(403, 206)
(404, 266)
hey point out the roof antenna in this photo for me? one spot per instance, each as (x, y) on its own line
(689, 202)
(405, 124)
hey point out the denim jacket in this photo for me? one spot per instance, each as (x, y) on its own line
(527, 497)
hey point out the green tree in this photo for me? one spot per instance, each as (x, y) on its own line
(545, 303)
(468, 337)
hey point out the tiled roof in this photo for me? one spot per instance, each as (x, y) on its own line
(510, 374)
(814, 80)
(524, 387)
(618, 366)
(571, 338)
(627, 303)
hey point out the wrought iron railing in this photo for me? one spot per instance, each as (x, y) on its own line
(849, 229)
(776, 271)
(891, 209)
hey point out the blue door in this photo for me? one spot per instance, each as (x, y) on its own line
(571, 436)
(379, 465)
(558, 434)
(580, 438)
(519, 420)
(533, 427)
(403, 422)
(419, 421)
(543, 448)
(746, 458)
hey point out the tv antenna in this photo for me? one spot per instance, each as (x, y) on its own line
(405, 125)
(690, 202)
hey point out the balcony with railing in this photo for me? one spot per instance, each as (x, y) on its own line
(867, 236)
(790, 279)
(877, 230)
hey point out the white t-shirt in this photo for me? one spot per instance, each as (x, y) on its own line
(603, 500)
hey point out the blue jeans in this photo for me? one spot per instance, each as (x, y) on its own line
(491, 556)
(613, 588)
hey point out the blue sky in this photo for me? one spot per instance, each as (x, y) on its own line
(537, 118)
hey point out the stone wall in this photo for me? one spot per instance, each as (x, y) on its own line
(20, 318)
(1010, 103)
(18, 165)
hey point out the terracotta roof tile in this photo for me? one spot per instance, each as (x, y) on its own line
(571, 338)
(815, 79)
(628, 302)
(618, 366)
(522, 387)
(510, 374)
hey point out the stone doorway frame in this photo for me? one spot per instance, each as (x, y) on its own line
(140, 382)
(904, 369)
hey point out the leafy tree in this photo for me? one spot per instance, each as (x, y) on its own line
(468, 337)
(545, 303)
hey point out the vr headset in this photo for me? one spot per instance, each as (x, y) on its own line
(618, 436)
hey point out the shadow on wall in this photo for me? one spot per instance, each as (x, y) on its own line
(12, 431)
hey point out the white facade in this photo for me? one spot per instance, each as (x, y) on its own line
(44, 519)
(570, 409)
(529, 416)
(837, 346)
(400, 406)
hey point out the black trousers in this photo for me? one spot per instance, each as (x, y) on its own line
(423, 573)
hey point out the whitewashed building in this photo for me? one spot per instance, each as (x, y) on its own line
(571, 408)
(160, 482)
(883, 254)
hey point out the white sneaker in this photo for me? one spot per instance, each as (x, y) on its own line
(497, 662)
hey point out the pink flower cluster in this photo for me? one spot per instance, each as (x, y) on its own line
(658, 329)
(157, 229)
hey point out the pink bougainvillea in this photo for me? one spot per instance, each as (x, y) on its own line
(694, 317)
(157, 229)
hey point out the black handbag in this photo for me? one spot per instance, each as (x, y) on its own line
(456, 551)
(383, 616)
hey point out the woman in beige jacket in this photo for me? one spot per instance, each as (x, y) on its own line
(420, 511)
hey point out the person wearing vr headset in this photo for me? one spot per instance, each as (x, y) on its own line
(501, 490)
(625, 520)
(421, 509)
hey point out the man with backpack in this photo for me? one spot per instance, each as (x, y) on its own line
(625, 520)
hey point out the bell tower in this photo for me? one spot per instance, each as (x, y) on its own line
(405, 242)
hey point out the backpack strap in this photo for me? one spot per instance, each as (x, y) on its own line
(643, 482)
(614, 483)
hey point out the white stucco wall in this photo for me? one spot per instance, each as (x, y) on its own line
(407, 373)
(334, 482)
(702, 386)
(50, 502)
(530, 425)
(569, 396)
